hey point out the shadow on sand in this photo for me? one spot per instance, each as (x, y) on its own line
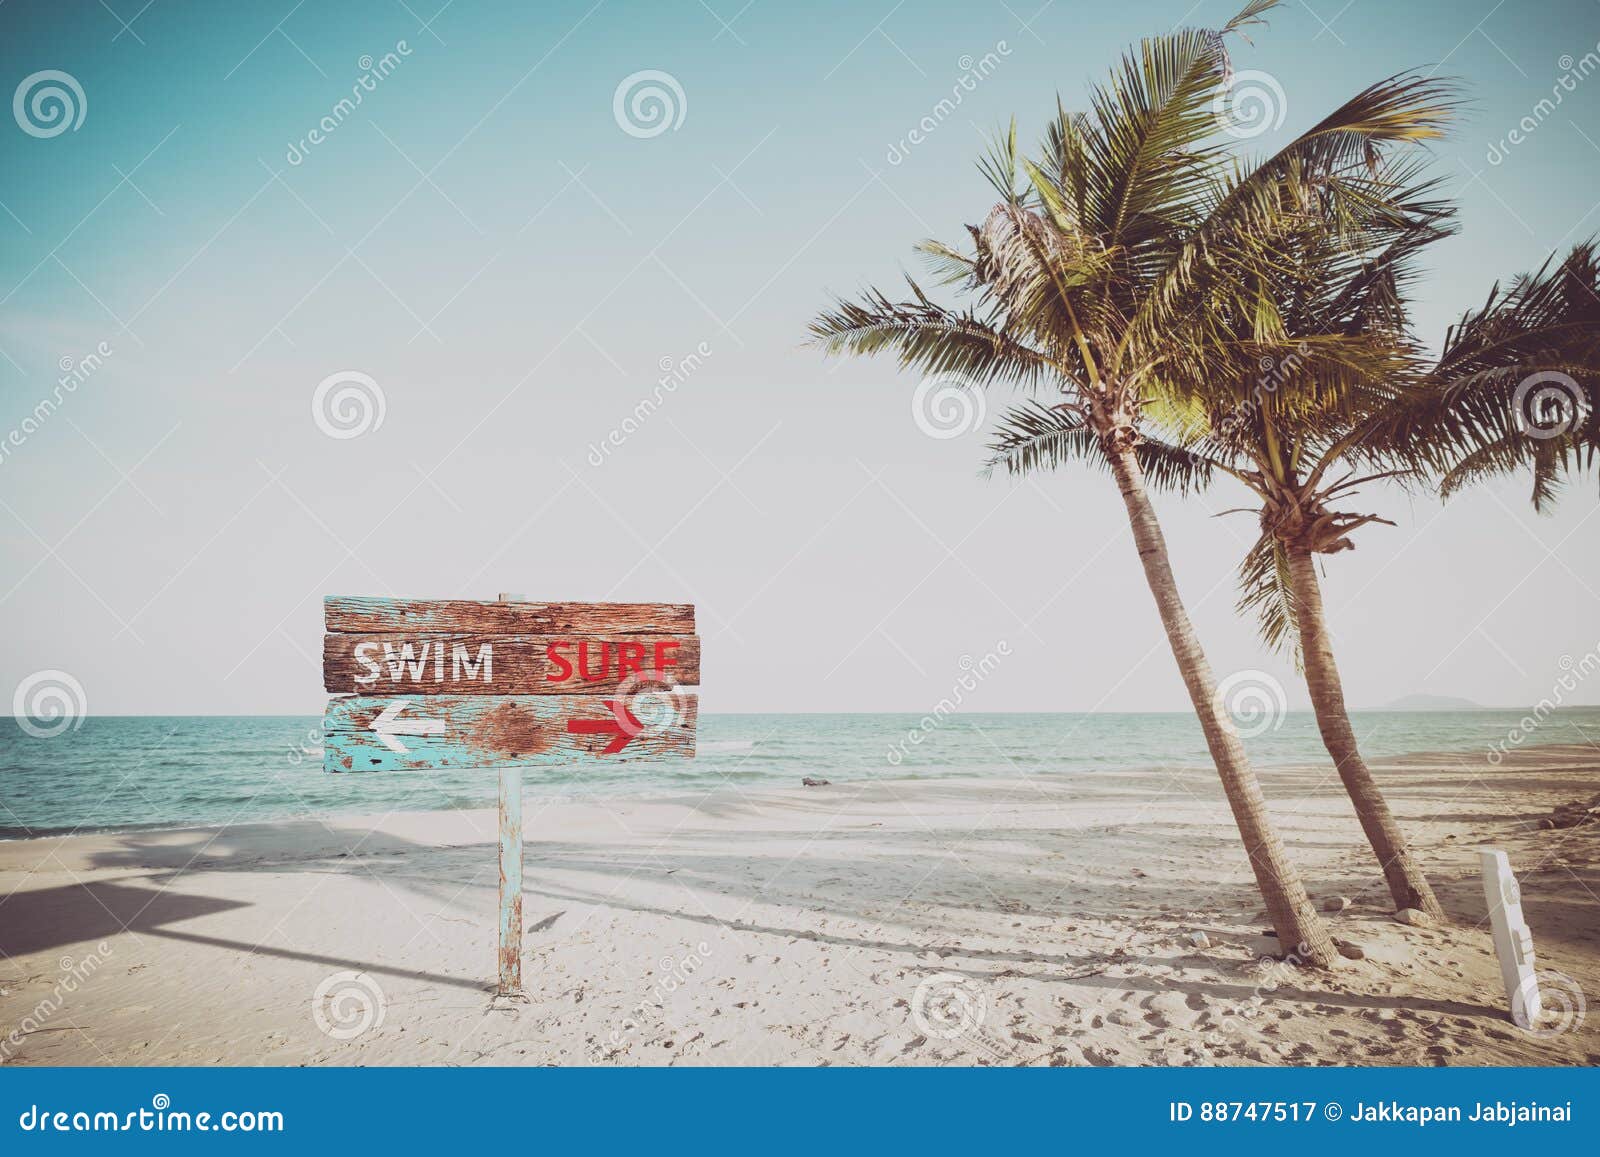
(1045, 871)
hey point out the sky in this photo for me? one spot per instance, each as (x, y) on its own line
(405, 355)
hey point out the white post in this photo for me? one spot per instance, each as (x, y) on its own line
(1513, 942)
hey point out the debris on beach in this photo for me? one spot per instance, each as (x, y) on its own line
(1199, 939)
(1350, 951)
(1573, 815)
(807, 781)
(1415, 917)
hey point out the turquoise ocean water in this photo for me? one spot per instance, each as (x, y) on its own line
(113, 772)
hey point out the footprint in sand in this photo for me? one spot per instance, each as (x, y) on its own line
(1168, 1010)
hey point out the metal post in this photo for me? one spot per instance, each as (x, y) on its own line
(510, 948)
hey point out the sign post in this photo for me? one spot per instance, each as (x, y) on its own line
(421, 685)
(509, 952)
(1513, 942)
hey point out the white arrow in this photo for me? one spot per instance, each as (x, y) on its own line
(388, 724)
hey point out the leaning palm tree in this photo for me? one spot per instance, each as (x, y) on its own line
(1304, 419)
(1083, 280)
(1346, 389)
(1460, 418)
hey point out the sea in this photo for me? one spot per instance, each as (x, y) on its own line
(109, 773)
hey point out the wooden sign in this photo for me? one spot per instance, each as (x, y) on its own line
(477, 664)
(455, 683)
(421, 684)
(356, 616)
(406, 733)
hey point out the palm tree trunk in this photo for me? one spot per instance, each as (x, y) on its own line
(1301, 932)
(1407, 884)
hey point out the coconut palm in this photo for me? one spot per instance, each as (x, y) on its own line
(1461, 419)
(1285, 435)
(1343, 388)
(1083, 281)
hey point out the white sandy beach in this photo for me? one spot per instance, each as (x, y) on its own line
(795, 927)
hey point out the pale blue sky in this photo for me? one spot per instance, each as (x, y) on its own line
(483, 239)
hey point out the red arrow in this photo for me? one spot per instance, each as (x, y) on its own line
(622, 724)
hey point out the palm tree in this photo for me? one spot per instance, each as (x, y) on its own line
(1347, 388)
(1345, 285)
(1083, 284)
(1459, 420)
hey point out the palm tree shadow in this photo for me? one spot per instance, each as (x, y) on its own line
(327, 961)
(1084, 969)
(580, 872)
(314, 847)
(48, 918)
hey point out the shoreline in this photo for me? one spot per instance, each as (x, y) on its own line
(805, 926)
(662, 793)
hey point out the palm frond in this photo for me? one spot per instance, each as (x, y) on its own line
(926, 336)
(1031, 437)
(999, 166)
(1267, 594)
(1471, 416)
(1330, 178)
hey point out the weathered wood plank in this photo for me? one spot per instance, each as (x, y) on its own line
(419, 733)
(476, 664)
(358, 615)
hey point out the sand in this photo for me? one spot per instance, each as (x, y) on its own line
(1023, 922)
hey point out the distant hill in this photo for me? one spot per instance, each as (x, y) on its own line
(1432, 703)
